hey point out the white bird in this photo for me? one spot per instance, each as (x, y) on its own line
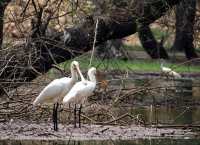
(55, 91)
(80, 91)
(169, 72)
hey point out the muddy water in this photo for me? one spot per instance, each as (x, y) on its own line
(177, 103)
(171, 103)
(106, 142)
(168, 115)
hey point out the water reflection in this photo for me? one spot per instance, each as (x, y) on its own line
(176, 100)
(164, 115)
(105, 142)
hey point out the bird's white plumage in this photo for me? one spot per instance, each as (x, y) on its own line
(58, 88)
(81, 90)
(55, 91)
(166, 69)
(169, 72)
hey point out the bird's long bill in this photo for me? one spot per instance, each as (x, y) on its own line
(80, 73)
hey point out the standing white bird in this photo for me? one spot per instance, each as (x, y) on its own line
(80, 91)
(54, 92)
(169, 72)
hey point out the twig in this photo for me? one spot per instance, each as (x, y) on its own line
(181, 114)
(35, 7)
(24, 10)
(95, 37)
(5, 92)
(46, 47)
(2, 70)
(102, 131)
(177, 126)
(119, 118)
(191, 60)
(35, 70)
(61, 70)
(84, 116)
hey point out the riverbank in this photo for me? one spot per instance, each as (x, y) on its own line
(21, 130)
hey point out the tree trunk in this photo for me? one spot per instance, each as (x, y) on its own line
(26, 62)
(3, 5)
(154, 49)
(185, 19)
(119, 24)
(112, 49)
(2, 8)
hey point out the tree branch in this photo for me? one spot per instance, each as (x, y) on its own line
(40, 52)
(119, 24)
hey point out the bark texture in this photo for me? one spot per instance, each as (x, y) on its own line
(152, 47)
(45, 47)
(118, 24)
(3, 5)
(185, 19)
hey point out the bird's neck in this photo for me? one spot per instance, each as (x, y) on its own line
(82, 77)
(92, 78)
(161, 65)
(74, 75)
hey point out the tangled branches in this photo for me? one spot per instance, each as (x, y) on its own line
(112, 105)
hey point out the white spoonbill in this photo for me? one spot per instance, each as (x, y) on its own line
(169, 72)
(80, 91)
(54, 92)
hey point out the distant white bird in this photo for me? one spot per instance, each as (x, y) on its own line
(54, 92)
(80, 91)
(169, 72)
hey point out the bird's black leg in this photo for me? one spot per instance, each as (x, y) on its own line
(69, 116)
(56, 117)
(79, 116)
(60, 108)
(53, 116)
(75, 116)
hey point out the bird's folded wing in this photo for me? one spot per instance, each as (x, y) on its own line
(79, 91)
(49, 93)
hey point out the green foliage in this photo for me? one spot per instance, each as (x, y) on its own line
(132, 65)
(131, 47)
(158, 33)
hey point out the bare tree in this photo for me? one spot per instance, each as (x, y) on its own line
(152, 47)
(45, 46)
(185, 19)
(3, 5)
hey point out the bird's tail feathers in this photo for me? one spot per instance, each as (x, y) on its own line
(37, 101)
(69, 97)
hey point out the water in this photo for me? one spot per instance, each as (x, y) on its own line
(105, 142)
(169, 115)
(173, 101)
(172, 106)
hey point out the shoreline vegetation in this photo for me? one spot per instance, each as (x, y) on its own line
(143, 64)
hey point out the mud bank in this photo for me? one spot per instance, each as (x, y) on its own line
(20, 130)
